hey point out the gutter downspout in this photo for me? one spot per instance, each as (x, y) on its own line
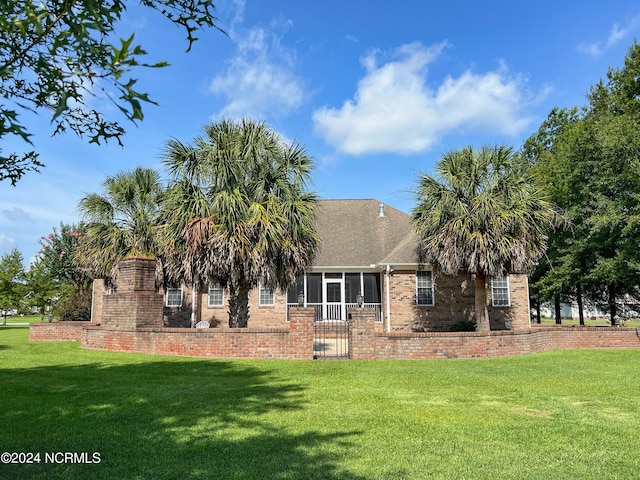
(387, 278)
(93, 294)
(528, 300)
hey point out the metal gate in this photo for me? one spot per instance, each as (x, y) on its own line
(330, 339)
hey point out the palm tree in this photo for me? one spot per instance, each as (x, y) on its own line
(238, 211)
(122, 222)
(482, 215)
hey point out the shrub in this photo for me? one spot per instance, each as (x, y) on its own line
(74, 306)
(463, 326)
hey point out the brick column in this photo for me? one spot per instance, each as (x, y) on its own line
(136, 303)
(301, 332)
(519, 310)
(362, 335)
(97, 296)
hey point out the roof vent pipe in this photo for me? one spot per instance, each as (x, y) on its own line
(381, 212)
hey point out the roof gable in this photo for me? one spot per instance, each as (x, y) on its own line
(353, 234)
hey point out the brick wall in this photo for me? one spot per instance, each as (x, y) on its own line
(57, 331)
(293, 342)
(518, 311)
(502, 343)
(297, 341)
(453, 303)
(301, 333)
(136, 303)
(260, 316)
(367, 344)
(97, 295)
(362, 338)
(213, 343)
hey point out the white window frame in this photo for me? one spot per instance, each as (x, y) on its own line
(266, 293)
(215, 287)
(429, 287)
(501, 287)
(171, 293)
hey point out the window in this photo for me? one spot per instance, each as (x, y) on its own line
(424, 287)
(266, 296)
(174, 297)
(216, 296)
(500, 291)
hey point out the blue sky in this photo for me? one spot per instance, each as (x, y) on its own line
(375, 90)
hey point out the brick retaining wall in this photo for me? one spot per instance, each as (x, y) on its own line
(296, 342)
(502, 343)
(214, 343)
(57, 331)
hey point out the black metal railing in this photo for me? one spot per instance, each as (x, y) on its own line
(331, 339)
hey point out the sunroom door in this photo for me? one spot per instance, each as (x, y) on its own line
(333, 294)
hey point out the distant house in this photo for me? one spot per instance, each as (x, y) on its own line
(366, 248)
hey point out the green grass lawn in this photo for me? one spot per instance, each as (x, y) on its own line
(572, 414)
(590, 322)
(23, 319)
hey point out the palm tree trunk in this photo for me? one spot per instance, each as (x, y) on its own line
(482, 313)
(558, 309)
(238, 304)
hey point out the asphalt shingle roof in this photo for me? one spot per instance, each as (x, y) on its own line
(352, 233)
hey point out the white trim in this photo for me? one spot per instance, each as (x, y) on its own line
(411, 265)
(433, 289)
(526, 281)
(387, 284)
(166, 297)
(271, 292)
(213, 305)
(93, 291)
(344, 269)
(493, 303)
(193, 305)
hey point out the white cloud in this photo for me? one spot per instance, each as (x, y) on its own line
(395, 110)
(616, 35)
(6, 243)
(16, 214)
(260, 78)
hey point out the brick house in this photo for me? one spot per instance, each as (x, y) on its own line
(366, 248)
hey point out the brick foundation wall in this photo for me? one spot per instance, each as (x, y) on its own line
(57, 331)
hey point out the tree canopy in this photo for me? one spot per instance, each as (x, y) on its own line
(589, 162)
(121, 222)
(238, 211)
(483, 215)
(12, 282)
(56, 55)
(55, 279)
